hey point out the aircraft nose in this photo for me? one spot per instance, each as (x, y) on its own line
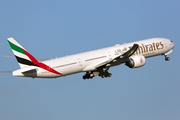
(172, 43)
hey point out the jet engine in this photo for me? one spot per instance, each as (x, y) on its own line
(136, 61)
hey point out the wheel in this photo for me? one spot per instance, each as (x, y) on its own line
(91, 75)
(103, 76)
(167, 58)
(84, 77)
(110, 74)
(106, 74)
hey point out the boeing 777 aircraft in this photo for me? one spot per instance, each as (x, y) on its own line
(94, 63)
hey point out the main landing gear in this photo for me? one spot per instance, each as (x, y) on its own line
(105, 74)
(102, 72)
(88, 75)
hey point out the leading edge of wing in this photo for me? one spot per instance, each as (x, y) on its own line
(130, 52)
(127, 54)
(105, 62)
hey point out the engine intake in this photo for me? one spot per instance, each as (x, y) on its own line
(136, 61)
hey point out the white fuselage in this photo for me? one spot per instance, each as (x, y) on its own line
(85, 61)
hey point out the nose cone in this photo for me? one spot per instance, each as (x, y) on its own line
(172, 43)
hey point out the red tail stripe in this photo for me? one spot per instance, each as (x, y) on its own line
(42, 65)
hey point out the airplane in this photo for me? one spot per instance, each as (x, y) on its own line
(93, 63)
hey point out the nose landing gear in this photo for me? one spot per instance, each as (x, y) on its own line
(166, 58)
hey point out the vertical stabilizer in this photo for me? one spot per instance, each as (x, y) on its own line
(25, 59)
(20, 53)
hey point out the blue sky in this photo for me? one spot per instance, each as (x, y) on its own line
(49, 29)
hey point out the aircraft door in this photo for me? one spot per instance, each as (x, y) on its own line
(79, 62)
(110, 56)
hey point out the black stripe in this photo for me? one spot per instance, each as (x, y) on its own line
(24, 61)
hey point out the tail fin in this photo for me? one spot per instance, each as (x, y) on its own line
(20, 53)
(25, 59)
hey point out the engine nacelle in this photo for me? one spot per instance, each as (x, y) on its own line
(136, 61)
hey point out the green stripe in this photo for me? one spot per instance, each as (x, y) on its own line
(16, 48)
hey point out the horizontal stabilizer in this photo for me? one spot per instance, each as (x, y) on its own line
(28, 69)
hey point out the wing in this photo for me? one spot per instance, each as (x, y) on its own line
(117, 60)
(130, 52)
(122, 58)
